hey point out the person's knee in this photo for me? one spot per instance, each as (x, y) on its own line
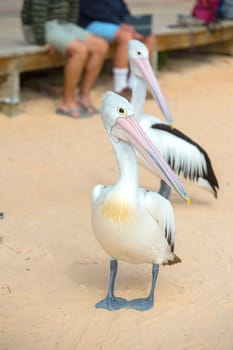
(102, 46)
(77, 47)
(123, 36)
(150, 40)
(97, 45)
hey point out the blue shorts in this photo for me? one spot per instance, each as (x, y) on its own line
(105, 30)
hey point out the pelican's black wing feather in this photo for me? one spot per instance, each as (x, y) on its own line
(209, 175)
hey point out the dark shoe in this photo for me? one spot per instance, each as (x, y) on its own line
(126, 92)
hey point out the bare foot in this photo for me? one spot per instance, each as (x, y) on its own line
(84, 101)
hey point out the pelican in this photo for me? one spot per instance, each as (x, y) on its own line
(189, 160)
(130, 223)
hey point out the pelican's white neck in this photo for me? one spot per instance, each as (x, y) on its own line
(128, 168)
(138, 97)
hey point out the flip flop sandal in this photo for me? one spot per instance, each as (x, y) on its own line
(90, 110)
(75, 113)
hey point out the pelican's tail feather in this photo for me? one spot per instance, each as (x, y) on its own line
(176, 260)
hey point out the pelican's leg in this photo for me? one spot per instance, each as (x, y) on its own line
(144, 304)
(164, 190)
(111, 302)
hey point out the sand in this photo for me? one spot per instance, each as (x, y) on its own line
(53, 270)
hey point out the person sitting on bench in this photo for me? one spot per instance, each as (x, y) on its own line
(106, 18)
(53, 23)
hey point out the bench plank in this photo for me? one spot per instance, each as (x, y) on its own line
(194, 36)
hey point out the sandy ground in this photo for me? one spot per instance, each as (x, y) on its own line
(53, 271)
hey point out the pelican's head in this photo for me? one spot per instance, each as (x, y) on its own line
(114, 107)
(119, 121)
(137, 51)
(141, 68)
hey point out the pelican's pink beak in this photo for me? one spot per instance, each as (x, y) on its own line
(142, 68)
(129, 130)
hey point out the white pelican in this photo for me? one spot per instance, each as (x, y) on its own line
(185, 156)
(131, 223)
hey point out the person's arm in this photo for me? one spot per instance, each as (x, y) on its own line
(125, 12)
(25, 12)
(39, 10)
(74, 10)
(124, 9)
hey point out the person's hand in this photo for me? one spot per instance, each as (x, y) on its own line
(50, 48)
(138, 36)
(127, 28)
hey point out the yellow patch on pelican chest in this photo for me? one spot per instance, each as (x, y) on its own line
(118, 210)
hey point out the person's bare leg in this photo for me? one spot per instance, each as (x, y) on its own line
(121, 63)
(121, 54)
(149, 41)
(97, 51)
(76, 59)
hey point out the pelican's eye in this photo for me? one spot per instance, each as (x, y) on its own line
(122, 111)
(139, 53)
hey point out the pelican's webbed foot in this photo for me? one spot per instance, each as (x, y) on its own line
(144, 304)
(111, 303)
(141, 304)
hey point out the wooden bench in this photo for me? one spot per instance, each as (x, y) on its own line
(218, 39)
(17, 57)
